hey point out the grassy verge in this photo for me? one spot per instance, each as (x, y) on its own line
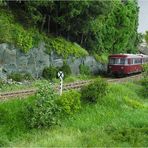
(32, 84)
(119, 119)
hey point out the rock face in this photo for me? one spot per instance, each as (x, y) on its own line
(143, 48)
(33, 62)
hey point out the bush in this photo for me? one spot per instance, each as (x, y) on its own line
(84, 70)
(144, 83)
(19, 77)
(66, 69)
(70, 102)
(16, 76)
(1, 83)
(49, 72)
(44, 112)
(145, 70)
(94, 91)
(144, 80)
(64, 48)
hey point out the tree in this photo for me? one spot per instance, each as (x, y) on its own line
(146, 37)
(99, 26)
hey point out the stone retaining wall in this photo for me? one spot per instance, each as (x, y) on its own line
(33, 62)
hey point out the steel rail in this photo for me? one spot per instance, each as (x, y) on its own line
(69, 86)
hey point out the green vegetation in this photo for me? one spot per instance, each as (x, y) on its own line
(95, 91)
(33, 84)
(66, 69)
(146, 37)
(101, 114)
(14, 33)
(44, 112)
(49, 72)
(70, 102)
(144, 81)
(65, 48)
(99, 26)
(12, 120)
(20, 76)
(145, 70)
(103, 58)
(118, 119)
(84, 70)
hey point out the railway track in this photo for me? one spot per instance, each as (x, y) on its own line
(75, 85)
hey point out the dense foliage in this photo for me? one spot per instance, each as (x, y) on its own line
(64, 48)
(66, 69)
(99, 26)
(44, 112)
(146, 37)
(70, 102)
(144, 80)
(14, 33)
(84, 69)
(49, 72)
(20, 76)
(114, 120)
(94, 92)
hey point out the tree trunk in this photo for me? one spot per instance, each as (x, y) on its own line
(56, 22)
(43, 22)
(48, 24)
(81, 39)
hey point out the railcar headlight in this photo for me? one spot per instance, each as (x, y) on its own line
(110, 67)
(122, 67)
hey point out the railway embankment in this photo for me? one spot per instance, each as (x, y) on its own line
(119, 117)
(74, 85)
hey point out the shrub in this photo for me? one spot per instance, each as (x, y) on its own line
(12, 32)
(44, 112)
(20, 76)
(66, 69)
(49, 72)
(84, 70)
(145, 70)
(103, 58)
(28, 76)
(70, 102)
(1, 83)
(22, 38)
(64, 48)
(95, 91)
(144, 83)
(16, 76)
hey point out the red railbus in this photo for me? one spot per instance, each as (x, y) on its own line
(125, 64)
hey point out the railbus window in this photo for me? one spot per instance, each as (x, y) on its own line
(137, 61)
(118, 61)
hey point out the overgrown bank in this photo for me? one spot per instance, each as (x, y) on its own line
(117, 119)
(30, 51)
(31, 30)
(98, 26)
(14, 33)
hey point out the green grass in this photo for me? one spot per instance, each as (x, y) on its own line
(12, 123)
(113, 121)
(33, 84)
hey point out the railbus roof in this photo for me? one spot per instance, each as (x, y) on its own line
(125, 56)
